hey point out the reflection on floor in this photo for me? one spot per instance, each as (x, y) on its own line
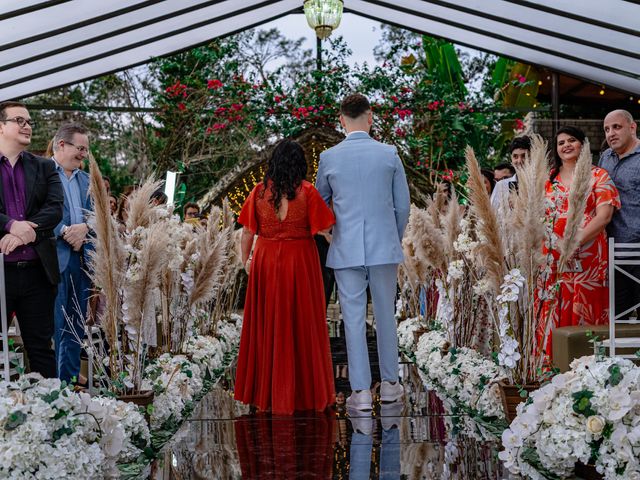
(407, 440)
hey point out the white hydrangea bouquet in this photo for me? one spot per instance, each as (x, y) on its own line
(465, 380)
(175, 381)
(590, 414)
(50, 432)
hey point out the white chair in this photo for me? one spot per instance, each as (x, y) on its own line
(621, 256)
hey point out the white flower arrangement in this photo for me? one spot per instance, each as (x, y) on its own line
(125, 433)
(208, 352)
(44, 435)
(175, 381)
(229, 330)
(590, 413)
(462, 377)
(406, 340)
(50, 432)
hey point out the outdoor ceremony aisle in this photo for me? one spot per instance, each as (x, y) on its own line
(413, 440)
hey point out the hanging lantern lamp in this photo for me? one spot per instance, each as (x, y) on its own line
(323, 15)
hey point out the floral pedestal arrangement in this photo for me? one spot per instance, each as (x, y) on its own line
(587, 472)
(141, 399)
(590, 414)
(514, 395)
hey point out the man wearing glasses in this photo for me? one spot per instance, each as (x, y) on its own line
(31, 201)
(70, 147)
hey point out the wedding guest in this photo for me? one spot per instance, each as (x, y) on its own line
(30, 208)
(284, 363)
(502, 171)
(519, 149)
(191, 210)
(489, 180)
(113, 204)
(70, 147)
(622, 162)
(107, 183)
(582, 297)
(159, 198)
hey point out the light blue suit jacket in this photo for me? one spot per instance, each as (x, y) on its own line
(365, 179)
(63, 248)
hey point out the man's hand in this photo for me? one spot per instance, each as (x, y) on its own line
(9, 243)
(75, 235)
(24, 230)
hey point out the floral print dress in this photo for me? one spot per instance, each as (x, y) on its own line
(581, 297)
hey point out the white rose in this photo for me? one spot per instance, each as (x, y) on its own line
(635, 475)
(595, 424)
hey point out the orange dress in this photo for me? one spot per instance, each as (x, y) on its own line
(582, 296)
(284, 362)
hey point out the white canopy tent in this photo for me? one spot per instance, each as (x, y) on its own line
(46, 44)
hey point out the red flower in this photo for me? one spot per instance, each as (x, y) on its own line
(182, 107)
(237, 106)
(220, 110)
(277, 99)
(394, 99)
(519, 125)
(177, 89)
(522, 78)
(400, 132)
(214, 84)
(219, 126)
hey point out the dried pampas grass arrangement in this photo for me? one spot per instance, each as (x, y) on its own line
(578, 194)
(491, 247)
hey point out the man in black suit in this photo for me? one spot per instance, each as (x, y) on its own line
(31, 202)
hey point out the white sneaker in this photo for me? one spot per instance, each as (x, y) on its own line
(391, 392)
(362, 425)
(360, 400)
(391, 415)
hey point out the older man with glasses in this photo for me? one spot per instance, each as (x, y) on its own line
(70, 147)
(31, 201)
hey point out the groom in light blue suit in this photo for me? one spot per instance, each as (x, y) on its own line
(364, 181)
(70, 147)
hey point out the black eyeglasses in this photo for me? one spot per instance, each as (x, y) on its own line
(21, 121)
(80, 148)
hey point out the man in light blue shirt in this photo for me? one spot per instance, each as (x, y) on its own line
(365, 182)
(622, 162)
(70, 147)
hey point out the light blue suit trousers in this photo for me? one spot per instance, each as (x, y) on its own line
(365, 183)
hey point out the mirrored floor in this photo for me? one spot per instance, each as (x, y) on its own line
(405, 440)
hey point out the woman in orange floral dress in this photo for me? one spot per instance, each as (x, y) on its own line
(582, 295)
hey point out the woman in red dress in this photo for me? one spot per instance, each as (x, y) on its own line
(284, 361)
(582, 295)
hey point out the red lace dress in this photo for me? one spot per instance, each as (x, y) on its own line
(582, 296)
(284, 362)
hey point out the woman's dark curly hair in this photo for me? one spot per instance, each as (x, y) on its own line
(286, 170)
(574, 132)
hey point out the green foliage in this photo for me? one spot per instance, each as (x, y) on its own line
(582, 403)
(14, 420)
(615, 375)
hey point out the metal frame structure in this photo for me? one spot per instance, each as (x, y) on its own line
(46, 44)
(621, 255)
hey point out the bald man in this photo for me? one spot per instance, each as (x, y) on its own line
(622, 161)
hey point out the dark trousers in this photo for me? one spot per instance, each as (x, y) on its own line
(328, 277)
(32, 297)
(627, 291)
(70, 313)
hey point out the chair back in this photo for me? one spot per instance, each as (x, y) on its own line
(621, 257)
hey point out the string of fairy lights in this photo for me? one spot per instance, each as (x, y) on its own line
(240, 190)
